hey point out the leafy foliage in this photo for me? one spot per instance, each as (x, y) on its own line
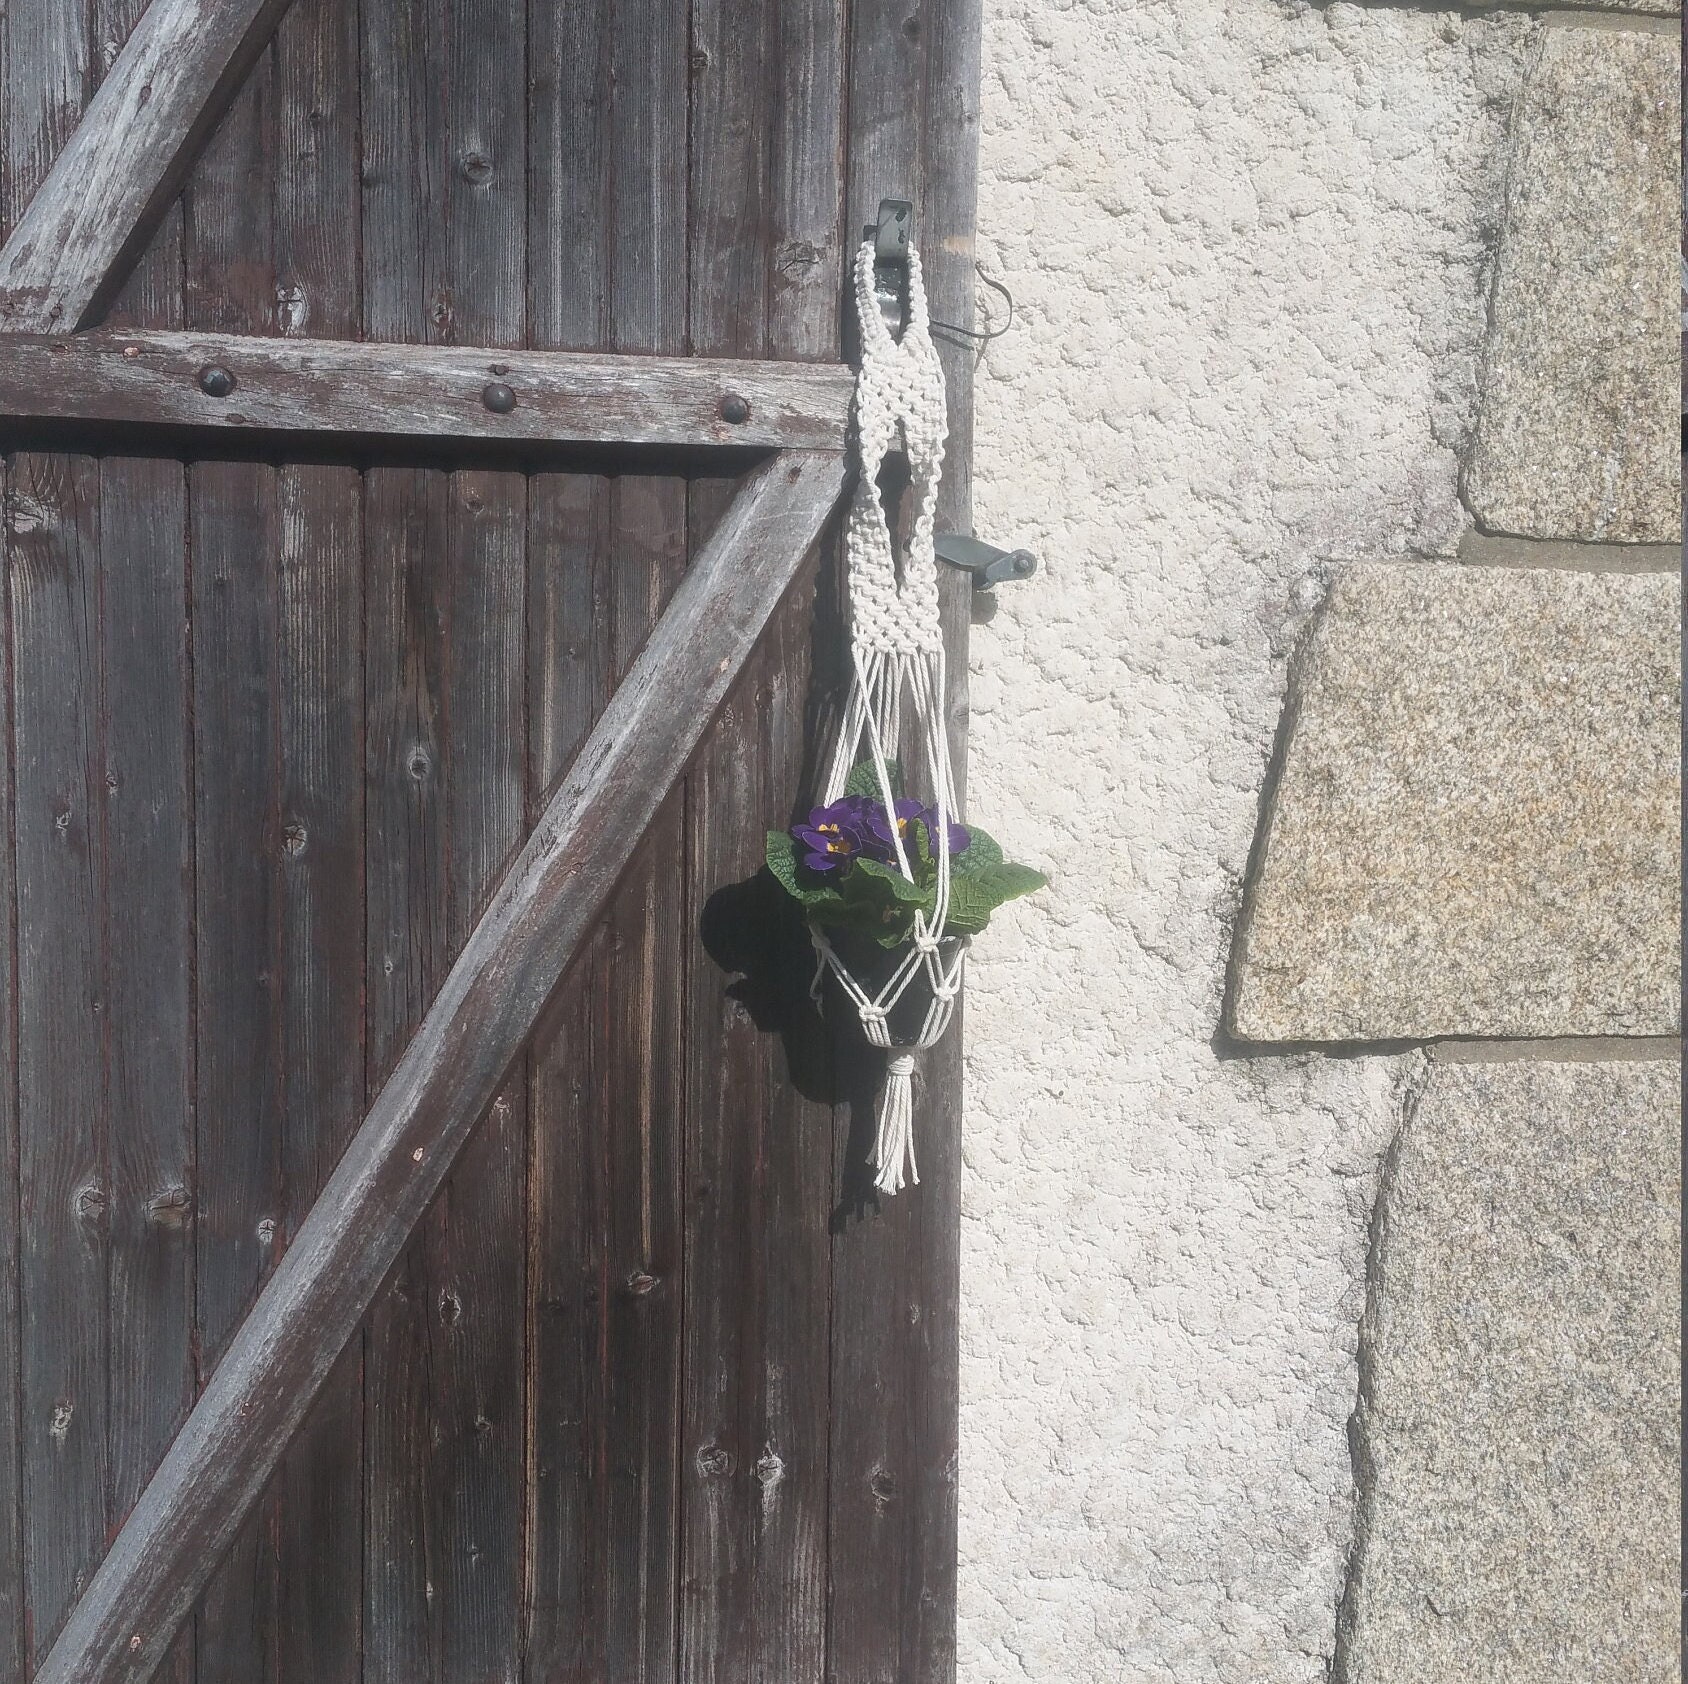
(870, 895)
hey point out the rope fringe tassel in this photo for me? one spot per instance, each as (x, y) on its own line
(897, 685)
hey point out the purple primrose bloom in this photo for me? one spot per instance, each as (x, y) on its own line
(879, 824)
(835, 835)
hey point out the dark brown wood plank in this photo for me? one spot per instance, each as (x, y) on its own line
(569, 1623)
(766, 104)
(447, 1359)
(408, 591)
(296, 385)
(607, 266)
(241, 1228)
(318, 1490)
(149, 1006)
(447, 1077)
(913, 75)
(12, 1610)
(64, 1180)
(234, 540)
(576, 1619)
(127, 156)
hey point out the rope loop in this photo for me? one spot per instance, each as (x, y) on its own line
(895, 705)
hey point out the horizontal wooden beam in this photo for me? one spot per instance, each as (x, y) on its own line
(126, 158)
(433, 391)
(213, 1473)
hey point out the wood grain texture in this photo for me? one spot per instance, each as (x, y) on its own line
(765, 210)
(149, 963)
(608, 116)
(127, 156)
(12, 1606)
(244, 1219)
(913, 132)
(445, 1381)
(319, 713)
(444, 1081)
(423, 391)
(64, 1167)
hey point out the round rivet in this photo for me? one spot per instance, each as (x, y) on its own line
(498, 397)
(734, 410)
(215, 381)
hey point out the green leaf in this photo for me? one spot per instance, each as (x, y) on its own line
(821, 901)
(863, 780)
(981, 852)
(976, 895)
(913, 894)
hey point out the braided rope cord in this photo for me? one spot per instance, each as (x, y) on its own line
(897, 658)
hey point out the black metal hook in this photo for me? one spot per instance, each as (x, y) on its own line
(890, 236)
(981, 336)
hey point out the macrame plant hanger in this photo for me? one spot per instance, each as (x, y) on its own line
(897, 684)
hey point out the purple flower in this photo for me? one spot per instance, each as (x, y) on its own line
(959, 839)
(907, 813)
(880, 826)
(836, 835)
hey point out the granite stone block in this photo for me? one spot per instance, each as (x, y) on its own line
(1475, 830)
(1519, 1415)
(1577, 426)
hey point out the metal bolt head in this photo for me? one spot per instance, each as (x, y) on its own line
(735, 411)
(215, 381)
(498, 397)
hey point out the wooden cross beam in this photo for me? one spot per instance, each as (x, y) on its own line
(249, 384)
(548, 901)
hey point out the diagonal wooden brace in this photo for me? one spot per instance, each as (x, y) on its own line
(134, 145)
(215, 1470)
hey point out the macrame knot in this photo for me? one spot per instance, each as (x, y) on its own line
(893, 1144)
(894, 709)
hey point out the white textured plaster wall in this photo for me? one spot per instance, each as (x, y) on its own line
(1246, 240)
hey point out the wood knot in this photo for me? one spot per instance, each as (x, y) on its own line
(451, 1307)
(639, 1283)
(715, 1463)
(169, 1209)
(884, 1489)
(476, 168)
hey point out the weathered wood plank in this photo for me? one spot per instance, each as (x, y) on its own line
(447, 1076)
(12, 1607)
(637, 1097)
(758, 1151)
(571, 1287)
(407, 563)
(572, 1628)
(318, 1490)
(446, 1366)
(241, 1226)
(127, 157)
(432, 391)
(319, 1501)
(148, 888)
(913, 109)
(244, 1215)
(64, 1180)
(608, 266)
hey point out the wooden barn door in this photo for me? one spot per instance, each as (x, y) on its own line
(655, 1390)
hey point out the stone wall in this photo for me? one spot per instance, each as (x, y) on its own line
(1343, 716)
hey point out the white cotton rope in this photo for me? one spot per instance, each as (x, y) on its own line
(897, 655)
